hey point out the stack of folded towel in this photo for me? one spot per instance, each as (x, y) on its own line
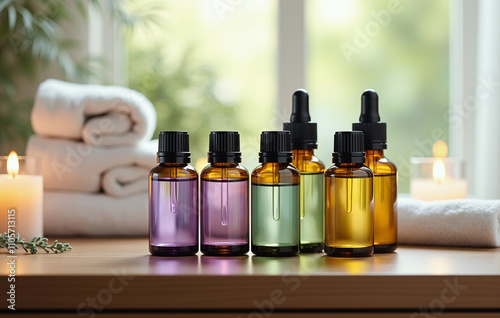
(96, 151)
(465, 222)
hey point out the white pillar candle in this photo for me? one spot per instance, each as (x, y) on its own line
(21, 202)
(438, 178)
(430, 190)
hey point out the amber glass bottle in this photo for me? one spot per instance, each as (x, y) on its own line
(304, 141)
(385, 174)
(224, 198)
(275, 198)
(349, 197)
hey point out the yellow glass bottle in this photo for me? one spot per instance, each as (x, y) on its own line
(384, 171)
(385, 201)
(304, 141)
(348, 199)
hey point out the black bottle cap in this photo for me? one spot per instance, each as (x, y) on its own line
(303, 132)
(224, 146)
(275, 146)
(173, 147)
(374, 130)
(348, 147)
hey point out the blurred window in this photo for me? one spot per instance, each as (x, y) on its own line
(399, 49)
(211, 65)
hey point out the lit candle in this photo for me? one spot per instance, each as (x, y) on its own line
(21, 195)
(447, 181)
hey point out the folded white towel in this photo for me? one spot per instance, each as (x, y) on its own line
(98, 115)
(464, 222)
(71, 213)
(73, 166)
(124, 181)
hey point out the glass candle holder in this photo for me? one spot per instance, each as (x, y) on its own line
(438, 179)
(21, 200)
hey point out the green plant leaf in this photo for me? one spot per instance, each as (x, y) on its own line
(67, 64)
(31, 38)
(36, 49)
(4, 4)
(50, 28)
(27, 19)
(12, 17)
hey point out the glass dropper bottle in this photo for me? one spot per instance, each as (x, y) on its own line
(173, 198)
(224, 198)
(275, 198)
(304, 141)
(385, 181)
(349, 198)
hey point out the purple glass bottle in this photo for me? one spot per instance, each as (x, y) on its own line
(224, 198)
(173, 198)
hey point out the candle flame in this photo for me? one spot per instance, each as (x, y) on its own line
(440, 151)
(12, 164)
(438, 170)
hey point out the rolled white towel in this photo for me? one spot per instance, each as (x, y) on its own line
(74, 166)
(94, 214)
(124, 181)
(464, 222)
(99, 115)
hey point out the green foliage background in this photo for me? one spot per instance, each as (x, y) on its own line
(31, 41)
(179, 62)
(183, 95)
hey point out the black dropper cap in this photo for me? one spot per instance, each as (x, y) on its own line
(173, 147)
(224, 146)
(348, 147)
(275, 146)
(303, 132)
(375, 131)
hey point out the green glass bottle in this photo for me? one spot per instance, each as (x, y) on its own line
(275, 198)
(304, 141)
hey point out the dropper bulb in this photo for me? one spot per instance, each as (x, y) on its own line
(369, 107)
(300, 107)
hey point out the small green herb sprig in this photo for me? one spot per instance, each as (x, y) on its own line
(33, 245)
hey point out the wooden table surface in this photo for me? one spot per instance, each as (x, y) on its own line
(117, 277)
